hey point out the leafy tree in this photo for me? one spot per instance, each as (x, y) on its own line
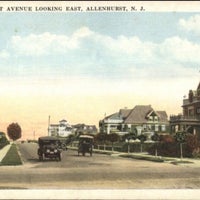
(101, 137)
(142, 139)
(70, 139)
(113, 137)
(130, 136)
(155, 137)
(14, 131)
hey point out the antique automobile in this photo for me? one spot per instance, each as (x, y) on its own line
(49, 147)
(85, 144)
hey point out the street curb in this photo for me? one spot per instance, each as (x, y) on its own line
(4, 151)
(148, 157)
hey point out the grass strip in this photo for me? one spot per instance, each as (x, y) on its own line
(142, 157)
(12, 157)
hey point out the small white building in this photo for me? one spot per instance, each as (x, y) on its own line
(63, 129)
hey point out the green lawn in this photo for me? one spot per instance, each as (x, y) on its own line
(12, 157)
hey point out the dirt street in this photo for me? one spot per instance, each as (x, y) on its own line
(99, 171)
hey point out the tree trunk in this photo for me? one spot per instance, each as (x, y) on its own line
(128, 148)
(156, 150)
(112, 147)
(181, 148)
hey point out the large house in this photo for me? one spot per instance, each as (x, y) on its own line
(63, 129)
(189, 120)
(79, 129)
(140, 119)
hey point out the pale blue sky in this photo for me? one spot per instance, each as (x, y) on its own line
(149, 36)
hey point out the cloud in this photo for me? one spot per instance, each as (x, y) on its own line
(85, 42)
(47, 43)
(192, 24)
(90, 54)
(4, 54)
(180, 50)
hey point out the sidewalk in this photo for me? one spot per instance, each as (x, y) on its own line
(145, 156)
(4, 151)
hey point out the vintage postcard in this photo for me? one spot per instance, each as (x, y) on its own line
(99, 100)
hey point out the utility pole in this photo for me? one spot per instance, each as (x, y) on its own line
(49, 125)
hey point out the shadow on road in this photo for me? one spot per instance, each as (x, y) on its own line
(11, 188)
(36, 160)
(33, 160)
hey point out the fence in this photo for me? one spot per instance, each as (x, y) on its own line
(123, 147)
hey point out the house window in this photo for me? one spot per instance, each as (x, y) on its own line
(198, 110)
(156, 127)
(163, 128)
(155, 118)
(191, 112)
(144, 127)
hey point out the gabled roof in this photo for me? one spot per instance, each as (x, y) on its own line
(138, 114)
(198, 86)
(63, 120)
(152, 113)
(162, 116)
(124, 112)
(78, 125)
(113, 116)
(84, 127)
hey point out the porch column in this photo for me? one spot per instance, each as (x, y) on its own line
(194, 131)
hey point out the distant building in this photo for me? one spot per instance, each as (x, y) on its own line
(63, 129)
(142, 118)
(79, 129)
(189, 120)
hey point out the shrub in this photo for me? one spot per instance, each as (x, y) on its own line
(136, 147)
(3, 140)
(192, 146)
(167, 138)
(166, 147)
(169, 147)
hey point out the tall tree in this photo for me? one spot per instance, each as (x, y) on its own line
(101, 137)
(155, 137)
(113, 137)
(14, 131)
(142, 139)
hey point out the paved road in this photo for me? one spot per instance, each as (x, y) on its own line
(98, 171)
